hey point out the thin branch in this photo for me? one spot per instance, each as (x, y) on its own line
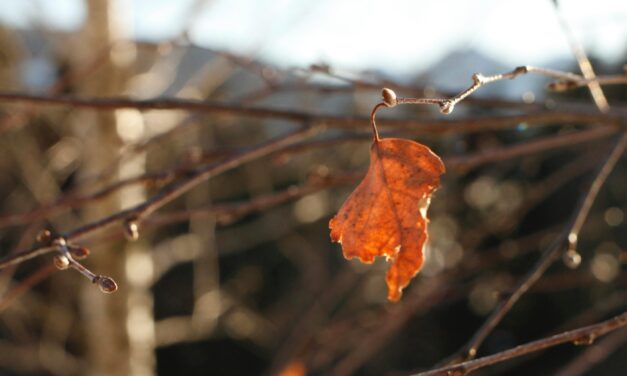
(430, 125)
(594, 85)
(478, 80)
(227, 213)
(25, 285)
(165, 195)
(595, 354)
(463, 162)
(581, 336)
(469, 351)
(471, 161)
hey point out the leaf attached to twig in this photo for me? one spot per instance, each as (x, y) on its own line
(386, 215)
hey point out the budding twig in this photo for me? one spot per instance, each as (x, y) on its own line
(165, 195)
(65, 260)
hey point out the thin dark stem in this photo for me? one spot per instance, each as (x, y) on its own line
(575, 116)
(594, 355)
(581, 336)
(166, 194)
(469, 351)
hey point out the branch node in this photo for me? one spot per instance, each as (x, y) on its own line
(60, 242)
(447, 106)
(523, 69)
(585, 340)
(131, 229)
(572, 259)
(478, 78)
(471, 353)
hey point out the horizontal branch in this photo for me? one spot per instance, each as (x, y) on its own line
(437, 126)
(581, 336)
(463, 162)
(470, 161)
(166, 194)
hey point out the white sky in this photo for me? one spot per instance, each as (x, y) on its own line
(358, 34)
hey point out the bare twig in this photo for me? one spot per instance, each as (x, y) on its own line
(469, 351)
(478, 80)
(594, 354)
(437, 126)
(581, 336)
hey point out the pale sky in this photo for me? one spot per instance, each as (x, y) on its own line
(358, 34)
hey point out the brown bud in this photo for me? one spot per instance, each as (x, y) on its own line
(44, 236)
(106, 284)
(389, 97)
(79, 253)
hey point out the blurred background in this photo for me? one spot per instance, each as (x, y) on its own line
(238, 275)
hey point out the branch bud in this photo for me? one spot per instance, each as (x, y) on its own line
(106, 284)
(79, 253)
(44, 236)
(61, 262)
(389, 97)
(131, 229)
(572, 259)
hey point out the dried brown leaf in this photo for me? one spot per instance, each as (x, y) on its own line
(386, 215)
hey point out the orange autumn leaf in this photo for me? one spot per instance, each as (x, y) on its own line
(386, 215)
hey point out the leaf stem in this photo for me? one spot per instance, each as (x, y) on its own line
(375, 131)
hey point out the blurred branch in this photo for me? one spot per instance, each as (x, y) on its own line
(469, 351)
(593, 82)
(133, 215)
(462, 162)
(471, 161)
(25, 285)
(437, 126)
